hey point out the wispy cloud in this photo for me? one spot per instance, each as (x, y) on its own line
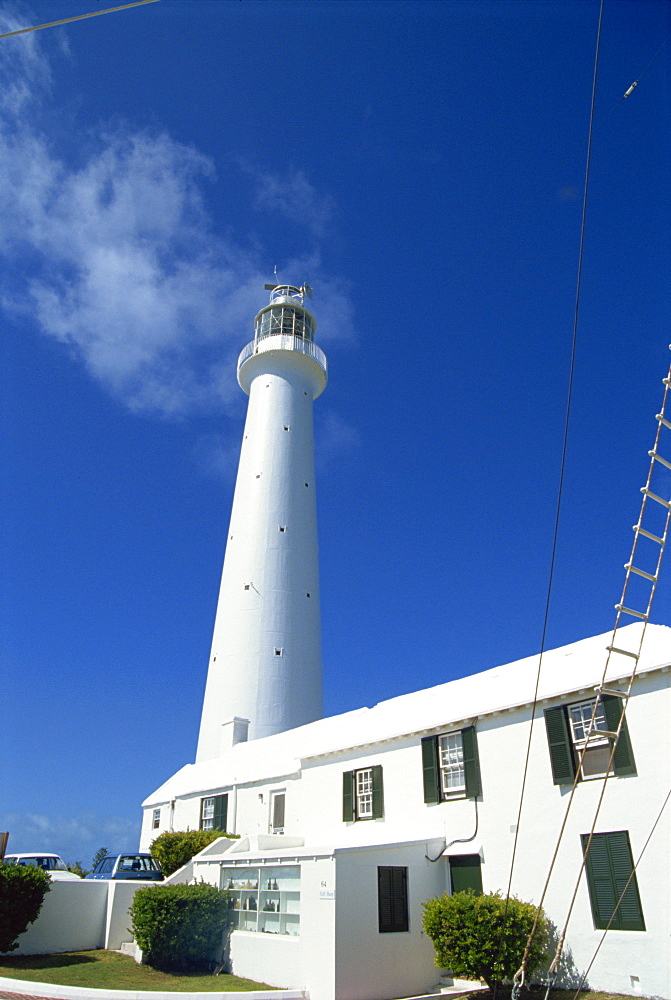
(336, 436)
(118, 257)
(74, 838)
(293, 196)
(25, 73)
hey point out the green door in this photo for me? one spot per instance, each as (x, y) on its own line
(466, 874)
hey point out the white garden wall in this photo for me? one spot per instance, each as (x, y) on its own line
(81, 916)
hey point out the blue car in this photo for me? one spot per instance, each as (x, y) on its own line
(138, 866)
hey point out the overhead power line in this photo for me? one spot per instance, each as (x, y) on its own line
(78, 17)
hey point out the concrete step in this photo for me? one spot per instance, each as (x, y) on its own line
(450, 985)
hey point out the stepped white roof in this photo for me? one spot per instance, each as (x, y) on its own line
(567, 669)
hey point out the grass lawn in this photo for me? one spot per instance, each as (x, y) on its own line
(539, 994)
(108, 970)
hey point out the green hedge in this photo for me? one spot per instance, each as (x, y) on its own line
(174, 849)
(484, 936)
(22, 892)
(179, 927)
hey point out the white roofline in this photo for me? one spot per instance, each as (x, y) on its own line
(577, 666)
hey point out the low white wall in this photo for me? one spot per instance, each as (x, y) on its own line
(72, 918)
(81, 916)
(120, 896)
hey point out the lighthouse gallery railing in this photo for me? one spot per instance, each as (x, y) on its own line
(283, 342)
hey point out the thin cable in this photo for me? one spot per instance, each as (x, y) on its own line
(79, 17)
(520, 981)
(636, 81)
(617, 905)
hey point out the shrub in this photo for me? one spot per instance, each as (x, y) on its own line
(77, 869)
(173, 850)
(484, 936)
(22, 892)
(179, 927)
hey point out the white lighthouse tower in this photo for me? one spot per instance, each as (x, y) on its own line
(265, 663)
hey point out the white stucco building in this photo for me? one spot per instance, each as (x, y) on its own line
(348, 824)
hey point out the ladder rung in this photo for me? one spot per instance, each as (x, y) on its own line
(640, 572)
(648, 534)
(612, 691)
(666, 381)
(628, 611)
(658, 458)
(653, 496)
(600, 734)
(624, 652)
(662, 419)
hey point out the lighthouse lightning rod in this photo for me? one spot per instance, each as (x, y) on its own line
(79, 17)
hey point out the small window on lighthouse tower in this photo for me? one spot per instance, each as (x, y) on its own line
(279, 651)
(282, 527)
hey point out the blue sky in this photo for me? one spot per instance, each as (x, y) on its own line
(422, 166)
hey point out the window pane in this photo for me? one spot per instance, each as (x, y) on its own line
(364, 793)
(451, 754)
(208, 814)
(581, 716)
(278, 813)
(597, 755)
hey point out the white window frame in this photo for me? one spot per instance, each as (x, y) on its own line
(156, 819)
(579, 717)
(207, 814)
(274, 796)
(451, 765)
(364, 793)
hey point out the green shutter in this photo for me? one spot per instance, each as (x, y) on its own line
(473, 781)
(630, 911)
(466, 874)
(220, 812)
(348, 797)
(561, 750)
(378, 796)
(430, 769)
(392, 895)
(623, 758)
(608, 866)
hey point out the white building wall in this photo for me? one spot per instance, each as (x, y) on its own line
(370, 964)
(291, 962)
(628, 961)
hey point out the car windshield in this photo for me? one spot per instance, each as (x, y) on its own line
(42, 861)
(137, 863)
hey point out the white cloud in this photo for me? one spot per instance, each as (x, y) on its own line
(117, 258)
(217, 456)
(294, 197)
(75, 838)
(336, 436)
(24, 70)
